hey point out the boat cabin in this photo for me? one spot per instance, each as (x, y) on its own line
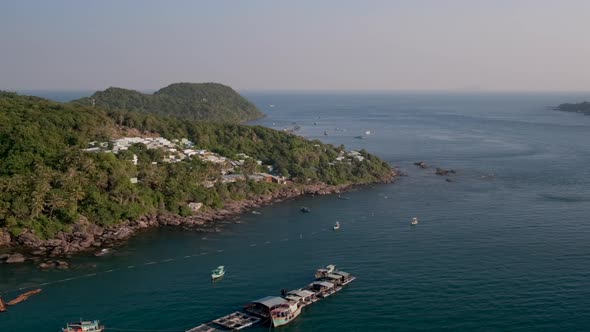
(321, 286)
(335, 278)
(304, 296)
(84, 326)
(264, 306)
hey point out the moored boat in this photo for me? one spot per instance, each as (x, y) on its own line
(323, 272)
(84, 326)
(218, 272)
(285, 313)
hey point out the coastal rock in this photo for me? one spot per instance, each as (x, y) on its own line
(421, 164)
(15, 258)
(62, 265)
(123, 233)
(444, 172)
(4, 257)
(47, 265)
(29, 239)
(4, 238)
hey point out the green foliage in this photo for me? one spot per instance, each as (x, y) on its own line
(47, 182)
(193, 101)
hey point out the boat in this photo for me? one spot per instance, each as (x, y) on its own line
(414, 221)
(271, 105)
(325, 133)
(305, 210)
(336, 226)
(359, 137)
(84, 326)
(343, 197)
(23, 297)
(323, 272)
(368, 132)
(285, 313)
(218, 272)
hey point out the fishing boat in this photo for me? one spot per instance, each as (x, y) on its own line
(218, 272)
(414, 221)
(323, 272)
(84, 326)
(336, 226)
(285, 313)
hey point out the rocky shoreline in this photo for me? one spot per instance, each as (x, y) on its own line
(88, 237)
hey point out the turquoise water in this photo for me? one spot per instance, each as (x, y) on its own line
(504, 247)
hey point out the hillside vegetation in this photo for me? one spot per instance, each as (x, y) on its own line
(47, 181)
(192, 101)
(583, 107)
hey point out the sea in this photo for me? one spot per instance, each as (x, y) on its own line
(502, 245)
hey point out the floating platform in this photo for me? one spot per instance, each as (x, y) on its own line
(328, 281)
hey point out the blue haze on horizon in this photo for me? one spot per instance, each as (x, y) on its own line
(418, 45)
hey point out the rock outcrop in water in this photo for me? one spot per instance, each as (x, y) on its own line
(444, 172)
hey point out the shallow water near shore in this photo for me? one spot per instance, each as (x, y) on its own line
(504, 246)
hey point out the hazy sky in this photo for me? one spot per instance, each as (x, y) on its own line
(456, 45)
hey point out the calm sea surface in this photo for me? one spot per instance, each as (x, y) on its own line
(503, 247)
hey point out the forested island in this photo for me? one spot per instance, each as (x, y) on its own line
(192, 101)
(75, 177)
(583, 107)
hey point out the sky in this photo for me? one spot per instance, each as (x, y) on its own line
(413, 45)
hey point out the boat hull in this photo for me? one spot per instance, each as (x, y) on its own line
(280, 321)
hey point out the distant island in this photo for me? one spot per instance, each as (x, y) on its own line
(76, 177)
(191, 101)
(583, 107)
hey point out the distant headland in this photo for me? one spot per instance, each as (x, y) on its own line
(583, 107)
(192, 101)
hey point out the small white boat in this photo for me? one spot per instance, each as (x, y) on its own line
(336, 226)
(323, 272)
(368, 132)
(218, 272)
(414, 221)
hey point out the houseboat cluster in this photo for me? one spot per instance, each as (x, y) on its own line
(281, 310)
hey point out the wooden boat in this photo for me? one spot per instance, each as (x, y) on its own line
(323, 272)
(285, 313)
(84, 326)
(23, 297)
(218, 272)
